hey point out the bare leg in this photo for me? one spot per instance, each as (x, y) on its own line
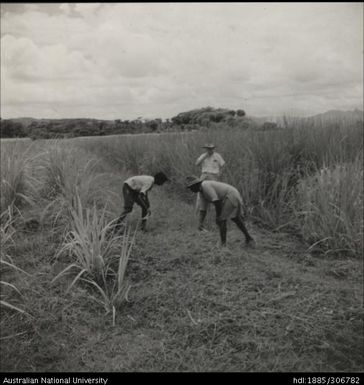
(144, 221)
(202, 216)
(240, 223)
(223, 230)
(128, 206)
(144, 204)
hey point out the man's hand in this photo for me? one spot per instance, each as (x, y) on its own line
(147, 215)
(201, 159)
(144, 200)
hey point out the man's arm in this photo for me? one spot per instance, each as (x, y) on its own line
(200, 159)
(147, 186)
(144, 202)
(221, 160)
(143, 198)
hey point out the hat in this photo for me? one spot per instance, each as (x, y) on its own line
(192, 180)
(209, 145)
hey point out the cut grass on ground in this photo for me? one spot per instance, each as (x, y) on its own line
(191, 306)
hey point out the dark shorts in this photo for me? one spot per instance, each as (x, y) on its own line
(130, 197)
(232, 208)
(209, 176)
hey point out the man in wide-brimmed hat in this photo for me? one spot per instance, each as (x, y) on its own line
(212, 164)
(227, 201)
(135, 190)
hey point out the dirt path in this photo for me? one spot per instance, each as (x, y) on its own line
(193, 307)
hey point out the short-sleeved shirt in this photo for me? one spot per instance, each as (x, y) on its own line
(140, 183)
(212, 191)
(211, 164)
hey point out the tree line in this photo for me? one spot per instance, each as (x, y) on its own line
(69, 128)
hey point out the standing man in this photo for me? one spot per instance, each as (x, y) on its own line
(135, 190)
(228, 204)
(212, 165)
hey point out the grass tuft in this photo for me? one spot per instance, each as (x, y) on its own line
(331, 215)
(94, 248)
(19, 184)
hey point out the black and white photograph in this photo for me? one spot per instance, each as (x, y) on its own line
(181, 190)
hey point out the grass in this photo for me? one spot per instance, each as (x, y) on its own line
(7, 232)
(18, 183)
(112, 296)
(192, 307)
(332, 208)
(67, 173)
(267, 167)
(94, 248)
(174, 300)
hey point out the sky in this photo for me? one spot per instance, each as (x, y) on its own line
(155, 60)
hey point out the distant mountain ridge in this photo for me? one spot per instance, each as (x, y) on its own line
(328, 117)
(339, 114)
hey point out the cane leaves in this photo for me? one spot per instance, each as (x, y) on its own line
(99, 256)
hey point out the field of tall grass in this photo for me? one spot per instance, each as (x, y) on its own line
(305, 180)
(59, 200)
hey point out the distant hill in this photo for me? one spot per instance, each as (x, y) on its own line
(332, 117)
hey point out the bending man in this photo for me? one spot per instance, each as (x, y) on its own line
(228, 204)
(135, 190)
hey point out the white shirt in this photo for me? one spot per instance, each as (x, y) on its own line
(212, 191)
(141, 183)
(211, 163)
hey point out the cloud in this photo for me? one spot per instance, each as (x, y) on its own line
(87, 9)
(31, 7)
(160, 59)
(66, 8)
(28, 62)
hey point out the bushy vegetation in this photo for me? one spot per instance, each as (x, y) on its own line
(70, 128)
(208, 115)
(12, 129)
